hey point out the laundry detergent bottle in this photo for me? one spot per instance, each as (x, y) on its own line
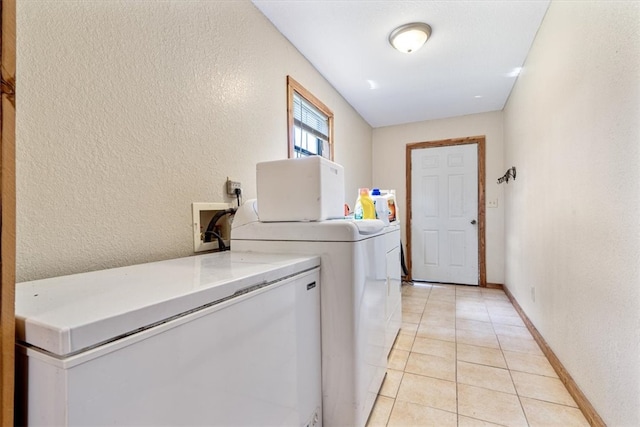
(364, 205)
(381, 206)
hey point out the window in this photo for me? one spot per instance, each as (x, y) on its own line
(310, 123)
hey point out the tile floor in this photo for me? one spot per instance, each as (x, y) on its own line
(465, 358)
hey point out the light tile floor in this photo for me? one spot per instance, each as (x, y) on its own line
(465, 358)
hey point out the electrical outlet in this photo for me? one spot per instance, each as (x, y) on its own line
(492, 203)
(232, 186)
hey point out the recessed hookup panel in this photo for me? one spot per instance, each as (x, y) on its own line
(202, 214)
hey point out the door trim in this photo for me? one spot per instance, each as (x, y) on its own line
(480, 141)
(7, 208)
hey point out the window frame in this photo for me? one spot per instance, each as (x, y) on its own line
(294, 86)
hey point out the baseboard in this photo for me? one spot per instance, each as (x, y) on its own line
(581, 400)
(407, 279)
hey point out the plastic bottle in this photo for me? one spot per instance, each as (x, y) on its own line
(381, 206)
(392, 208)
(364, 205)
(357, 210)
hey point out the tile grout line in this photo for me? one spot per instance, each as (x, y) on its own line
(392, 406)
(510, 374)
(504, 358)
(415, 335)
(480, 298)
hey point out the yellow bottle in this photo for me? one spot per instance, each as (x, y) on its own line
(366, 204)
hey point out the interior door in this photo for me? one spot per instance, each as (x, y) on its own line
(444, 214)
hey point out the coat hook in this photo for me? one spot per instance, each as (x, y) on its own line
(511, 173)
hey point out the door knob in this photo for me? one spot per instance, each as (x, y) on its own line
(473, 221)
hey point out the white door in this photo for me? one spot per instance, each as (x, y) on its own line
(444, 214)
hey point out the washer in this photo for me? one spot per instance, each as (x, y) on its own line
(356, 296)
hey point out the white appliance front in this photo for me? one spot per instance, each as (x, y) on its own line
(353, 302)
(249, 358)
(394, 285)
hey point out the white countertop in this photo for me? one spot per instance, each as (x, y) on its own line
(67, 314)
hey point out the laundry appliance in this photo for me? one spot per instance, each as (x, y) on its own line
(359, 299)
(226, 339)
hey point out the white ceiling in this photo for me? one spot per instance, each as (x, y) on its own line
(466, 67)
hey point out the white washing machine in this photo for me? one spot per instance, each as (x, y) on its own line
(355, 300)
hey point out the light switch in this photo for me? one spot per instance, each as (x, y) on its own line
(492, 203)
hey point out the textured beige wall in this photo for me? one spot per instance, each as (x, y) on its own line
(572, 128)
(389, 169)
(129, 111)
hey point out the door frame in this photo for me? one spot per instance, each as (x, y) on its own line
(7, 209)
(480, 141)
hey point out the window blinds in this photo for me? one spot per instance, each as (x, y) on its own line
(309, 118)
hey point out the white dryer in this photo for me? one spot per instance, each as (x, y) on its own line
(354, 295)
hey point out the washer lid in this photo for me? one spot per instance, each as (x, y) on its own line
(69, 314)
(333, 230)
(368, 227)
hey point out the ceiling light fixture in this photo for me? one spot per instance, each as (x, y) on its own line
(410, 37)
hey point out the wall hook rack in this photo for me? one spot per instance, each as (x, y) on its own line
(511, 173)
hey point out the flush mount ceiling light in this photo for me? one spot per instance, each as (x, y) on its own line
(410, 37)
